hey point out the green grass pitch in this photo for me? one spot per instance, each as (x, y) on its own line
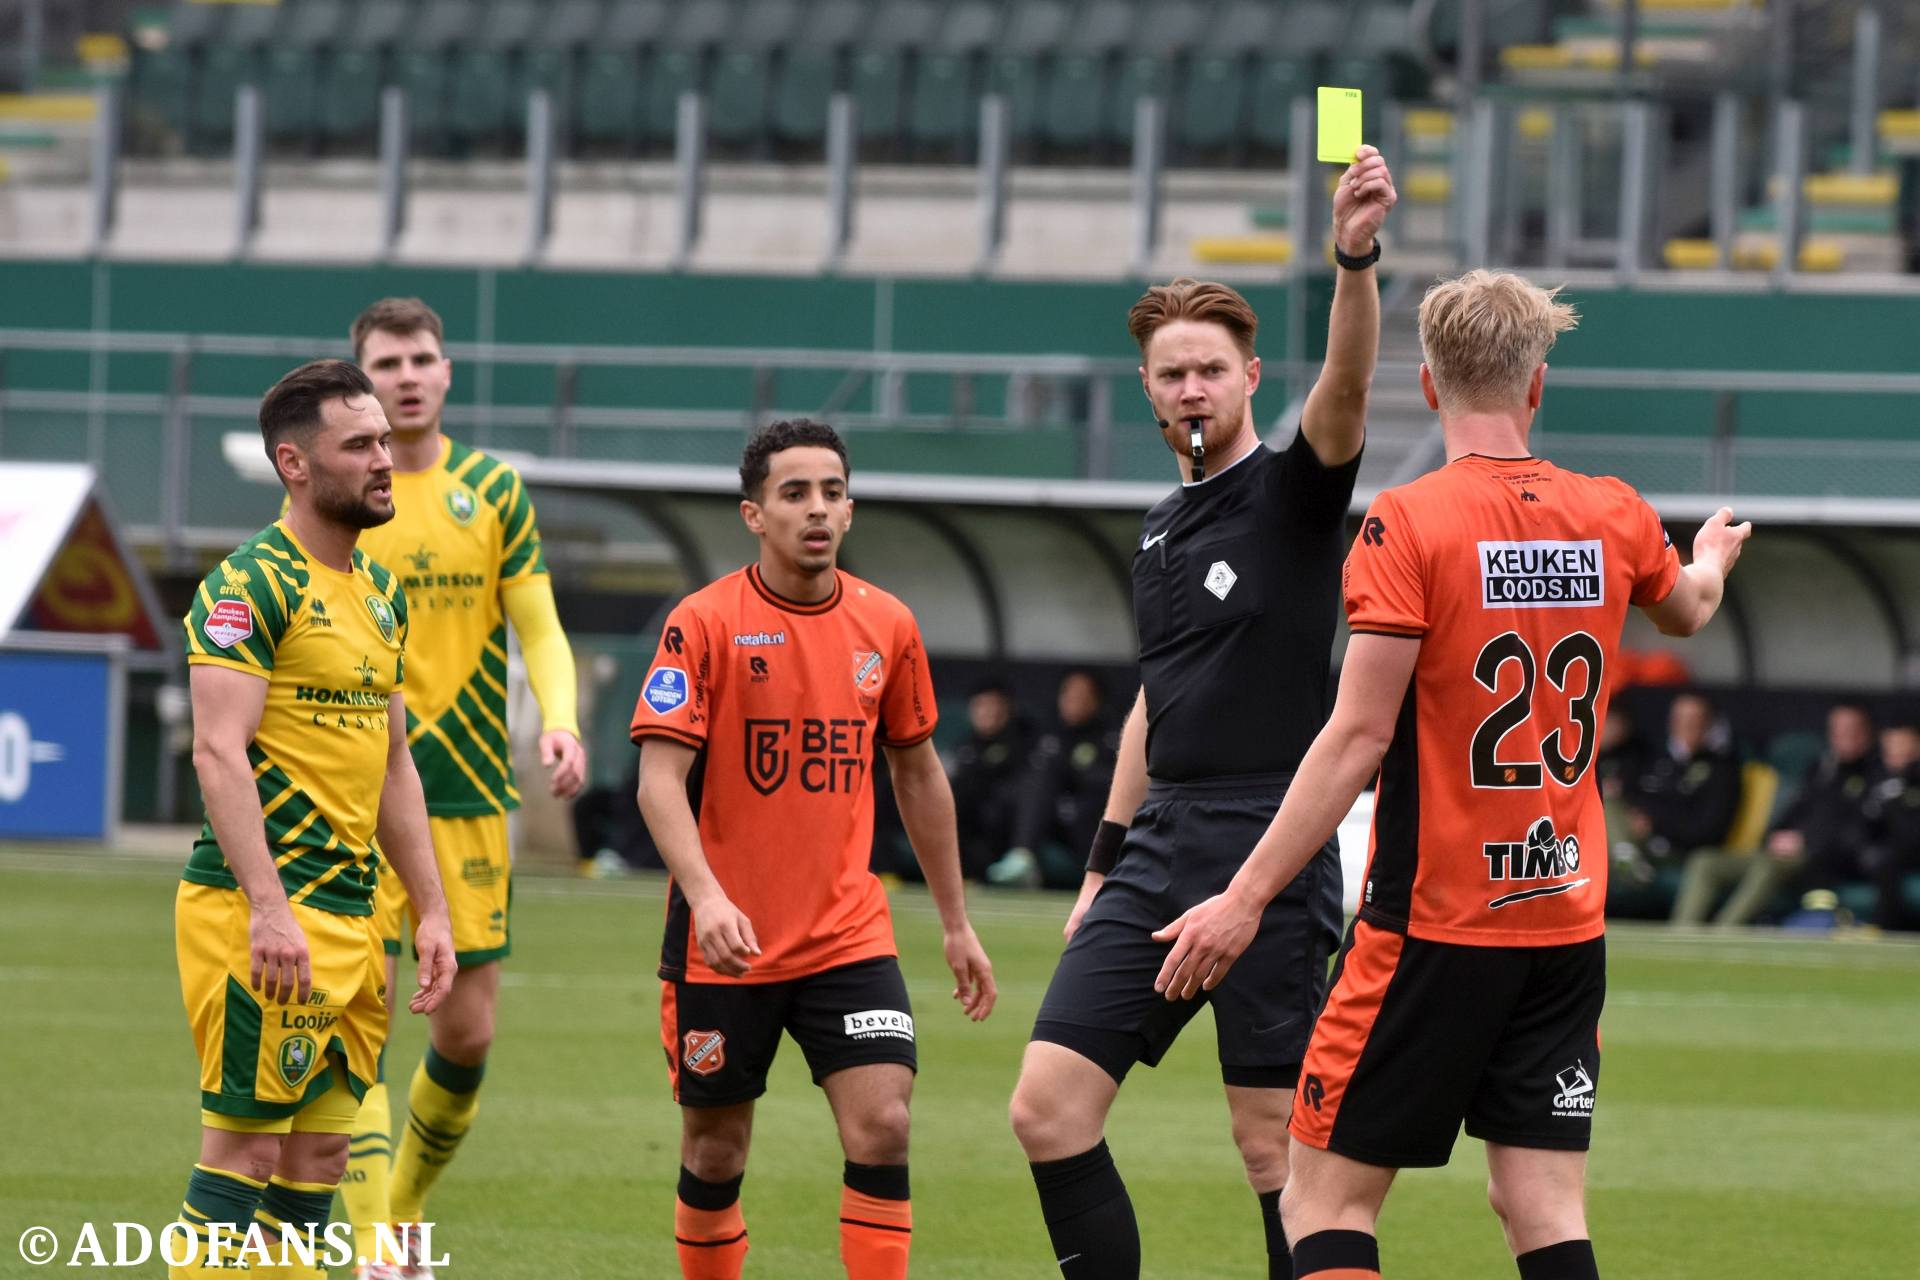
(1759, 1112)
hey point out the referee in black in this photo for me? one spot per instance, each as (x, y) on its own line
(1236, 585)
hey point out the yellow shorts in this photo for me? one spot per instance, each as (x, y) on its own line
(475, 874)
(263, 1065)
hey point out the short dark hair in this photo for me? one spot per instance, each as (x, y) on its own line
(396, 315)
(778, 436)
(292, 407)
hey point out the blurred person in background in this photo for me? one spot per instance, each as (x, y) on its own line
(986, 770)
(1893, 826)
(1063, 794)
(1681, 799)
(1819, 836)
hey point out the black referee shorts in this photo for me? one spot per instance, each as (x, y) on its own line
(1185, 844)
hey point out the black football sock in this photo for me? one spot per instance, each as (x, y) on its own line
(1568, 1260)
(1279, 1261)
(1337, 1255)
(1089, 1217)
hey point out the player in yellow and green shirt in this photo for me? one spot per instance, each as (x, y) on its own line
(466, 548)
(296, 653)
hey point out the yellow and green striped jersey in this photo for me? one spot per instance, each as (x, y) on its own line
(462, 529)
(330, 646)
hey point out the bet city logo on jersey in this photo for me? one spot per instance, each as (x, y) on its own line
(832, 755)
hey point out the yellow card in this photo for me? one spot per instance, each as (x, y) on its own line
(1339, 124)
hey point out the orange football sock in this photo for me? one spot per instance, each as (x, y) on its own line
(876, 1222)
(708, 1229)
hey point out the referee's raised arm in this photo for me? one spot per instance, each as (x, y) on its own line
(1335, 417)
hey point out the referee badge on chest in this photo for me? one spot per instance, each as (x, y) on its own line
(1220, 579)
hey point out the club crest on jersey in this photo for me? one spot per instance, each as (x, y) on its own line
(867, 673)
(297, 1055)
(704, 1052)
(768, 757)
(1541, 856)
(1546, 573)
(461, 504)
(382, 612)
(228, 622)
(666, 689)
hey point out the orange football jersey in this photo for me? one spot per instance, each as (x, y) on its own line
(1517, 576)
(788, 702)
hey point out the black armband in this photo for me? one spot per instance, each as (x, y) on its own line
(1106, 846)
(1361, 263)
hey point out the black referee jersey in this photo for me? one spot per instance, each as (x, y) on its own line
(1236, 587)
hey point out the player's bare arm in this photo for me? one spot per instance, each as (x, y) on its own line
(227, 705)
(926, 807)
(530, 609)
(1209, 937)
(1335, 416)
(725, 934)
(1701, 586)
(1124, 798)
(404, 839)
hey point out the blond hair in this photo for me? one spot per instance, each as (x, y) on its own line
(1207, 301)
(1483, 335)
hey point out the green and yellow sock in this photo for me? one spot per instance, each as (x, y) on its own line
(215, 1196)
(363, 1191)
(441, 1103)
(304, 1207)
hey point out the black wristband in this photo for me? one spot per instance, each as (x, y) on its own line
(1106, 846)
(1360, 263)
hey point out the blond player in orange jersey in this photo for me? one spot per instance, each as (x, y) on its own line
(1486, 601)
(787, 675)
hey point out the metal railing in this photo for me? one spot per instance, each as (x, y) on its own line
(169, 433)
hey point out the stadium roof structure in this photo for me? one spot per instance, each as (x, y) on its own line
(1826, 595)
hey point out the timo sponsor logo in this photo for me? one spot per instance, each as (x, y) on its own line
(876, 1024)
(1543, 574)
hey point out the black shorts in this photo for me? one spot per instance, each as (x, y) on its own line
(720, 1038)
(1419, 1036)
(1185, 844)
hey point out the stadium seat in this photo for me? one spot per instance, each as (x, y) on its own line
(1072, 102)
(1212, 100)
(607, 110)
(292, 70)
(349, 97)
(1033, 31)
(807, 70)
(678, 63)
(878, 74)
(737, 97)
(1277, 82)
(941, 113)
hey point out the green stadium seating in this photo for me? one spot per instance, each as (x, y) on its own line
(877, 81)
(941, 114)
(1139, 76)
(423, 74)
(1016, 78)
(1211, 103)
(1071, 104)
(669, 73)
(737, 97)
(348, 108)
(606, 113)
(1276, 82)
(802, 86)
